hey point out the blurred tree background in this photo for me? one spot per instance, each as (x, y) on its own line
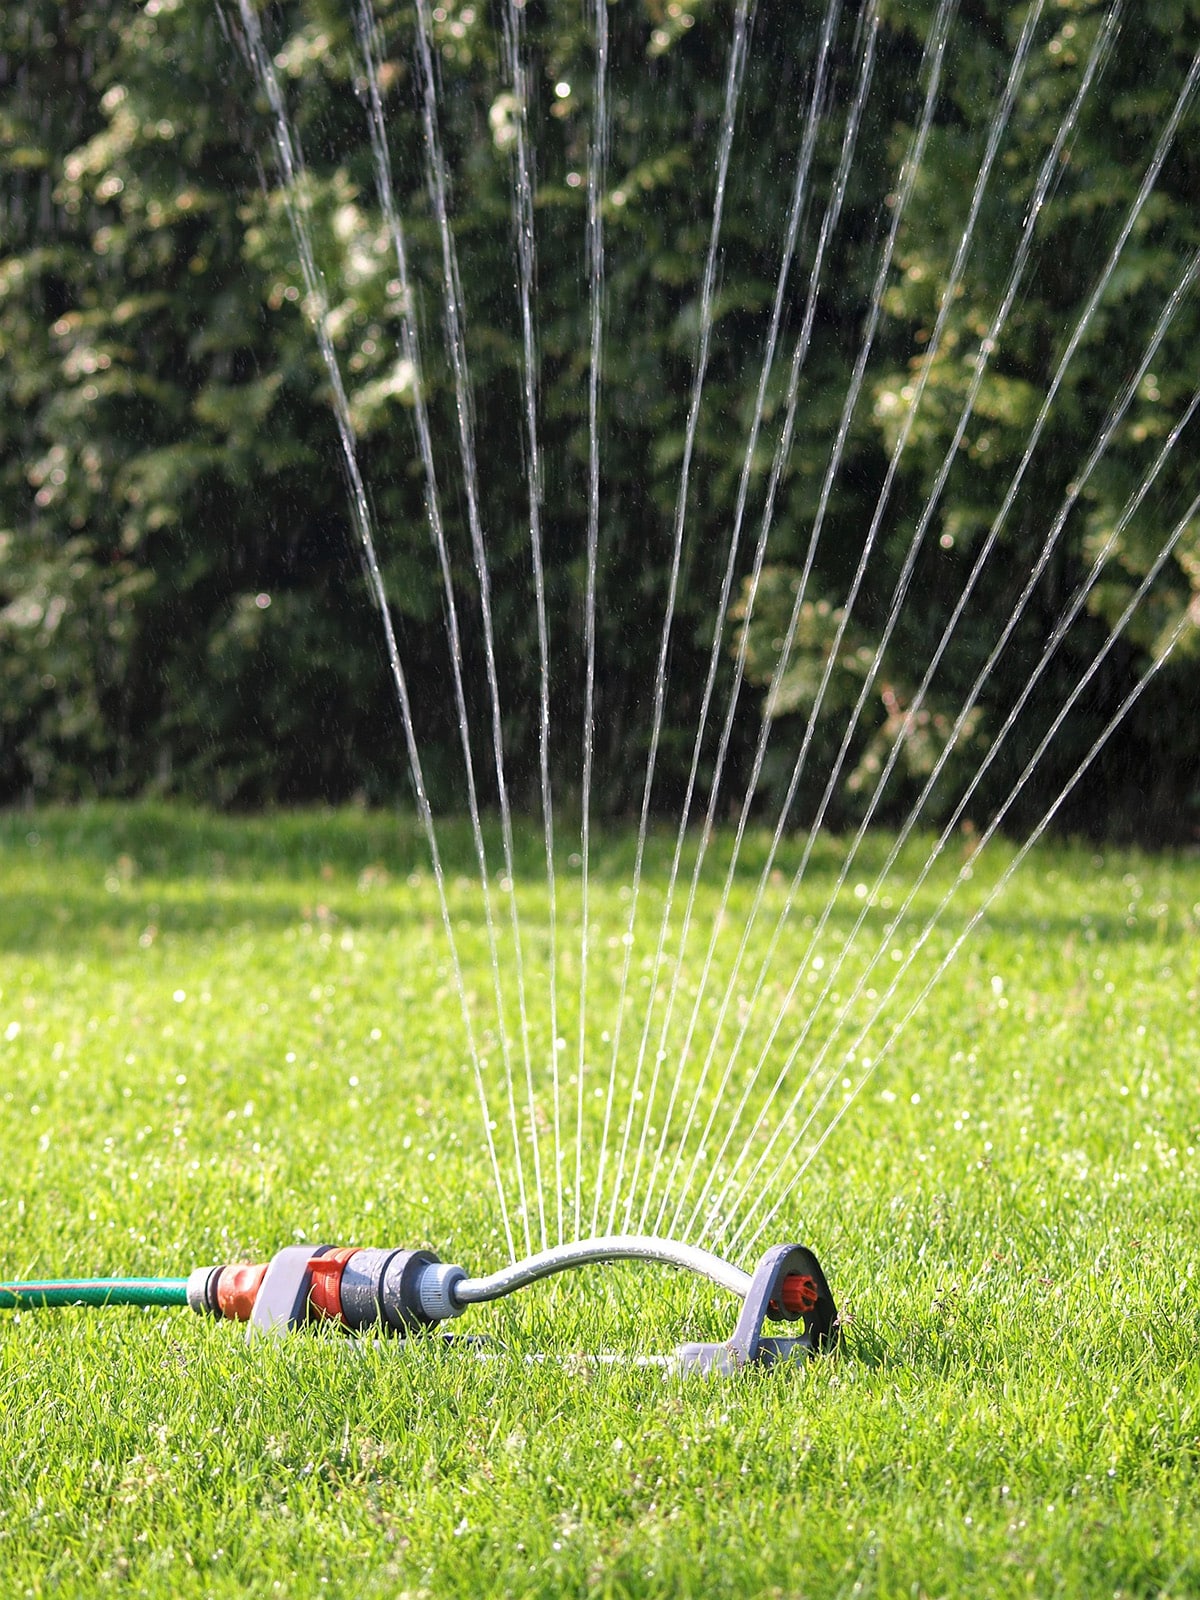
(182, 606)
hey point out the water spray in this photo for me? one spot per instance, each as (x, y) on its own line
(400, 1291)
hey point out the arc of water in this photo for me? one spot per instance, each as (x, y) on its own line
(1116, 415)
(868, 28)
(365, 27)
(799, 198)
(1182, 625)
(996, 129)
(1186, 620)
(733, 84)
(1049, 171)
(935, 47)
(290, 160)
(597, 156)
(410, 349)
(1078, 333)
(523, 219)
(452, 289)
(1058, 633)
(1047, 175)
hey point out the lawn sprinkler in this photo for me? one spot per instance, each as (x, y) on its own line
(397, 1291)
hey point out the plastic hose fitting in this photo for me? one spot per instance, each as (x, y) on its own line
(362, 1288)
(392, 1289)
(404, 1306)
(226, 1291)
(328, 1270)
(201, 1295)
(435, 1291)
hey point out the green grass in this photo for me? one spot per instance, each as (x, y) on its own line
(217, 1037)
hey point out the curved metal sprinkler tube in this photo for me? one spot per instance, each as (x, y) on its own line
(612, 1247)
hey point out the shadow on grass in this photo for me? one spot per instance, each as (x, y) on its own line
(104, 872)
(73, 921)
(173, 840)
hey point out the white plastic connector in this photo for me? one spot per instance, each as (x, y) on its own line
(435, 1291)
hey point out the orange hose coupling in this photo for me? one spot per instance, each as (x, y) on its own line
(237, 1289)
(226, 1291)
(325, 1296)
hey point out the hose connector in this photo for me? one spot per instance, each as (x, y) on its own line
(228, 1291)
(398, 1289)
(435, 1291)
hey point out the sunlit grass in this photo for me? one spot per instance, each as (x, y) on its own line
(219, 1036)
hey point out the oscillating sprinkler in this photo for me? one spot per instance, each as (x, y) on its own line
(396, 1291)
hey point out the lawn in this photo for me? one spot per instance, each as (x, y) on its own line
(218, 1037)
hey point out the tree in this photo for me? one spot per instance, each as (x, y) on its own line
(181, 604)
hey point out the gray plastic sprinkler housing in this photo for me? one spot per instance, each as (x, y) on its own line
(399, 1290)
(749, 1346)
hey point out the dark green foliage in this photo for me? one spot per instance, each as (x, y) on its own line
(181, 605)
(1147, 778)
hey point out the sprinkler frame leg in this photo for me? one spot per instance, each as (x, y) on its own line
(748, 1345)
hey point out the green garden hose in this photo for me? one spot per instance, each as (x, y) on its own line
(93, 1292)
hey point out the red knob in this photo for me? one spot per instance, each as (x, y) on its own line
(798, 1293)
